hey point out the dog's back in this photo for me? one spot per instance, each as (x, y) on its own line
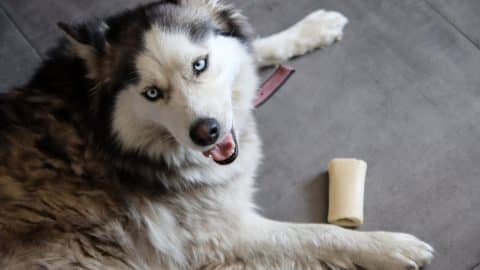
(53, 206)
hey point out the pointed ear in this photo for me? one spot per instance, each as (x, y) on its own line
(89, 43)
(92, 34)
(230, 21)
(234, 24)
(69, 30)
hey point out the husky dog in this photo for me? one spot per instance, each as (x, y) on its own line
(134, 146)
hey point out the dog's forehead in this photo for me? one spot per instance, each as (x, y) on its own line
(166, 53)
(171, 49)
(176, 34)
(196, 23)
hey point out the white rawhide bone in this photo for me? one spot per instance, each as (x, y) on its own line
(347, 182)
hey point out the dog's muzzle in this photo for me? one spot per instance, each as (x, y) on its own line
(206, 132)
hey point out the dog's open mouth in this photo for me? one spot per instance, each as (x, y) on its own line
(224, 152)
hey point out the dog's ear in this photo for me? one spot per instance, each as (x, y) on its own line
(233, 23)
(228, 20)
(88, 42)
(92, 34)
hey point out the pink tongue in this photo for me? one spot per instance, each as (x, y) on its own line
(223, 150)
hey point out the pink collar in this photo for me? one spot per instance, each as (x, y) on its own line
(272, 84)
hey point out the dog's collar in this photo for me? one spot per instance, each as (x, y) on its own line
(272, 84)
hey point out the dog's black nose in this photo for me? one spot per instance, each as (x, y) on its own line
(205, 131)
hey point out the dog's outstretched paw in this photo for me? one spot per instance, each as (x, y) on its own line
(395, 251)
(319, 29)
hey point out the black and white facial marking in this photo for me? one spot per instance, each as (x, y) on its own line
(187, 70)
(156, 69)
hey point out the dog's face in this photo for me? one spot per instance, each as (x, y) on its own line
(186, 87)
(181, 81)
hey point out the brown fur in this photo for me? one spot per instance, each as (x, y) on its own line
(47, 169)
(70, 198)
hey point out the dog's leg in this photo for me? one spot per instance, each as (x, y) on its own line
(319, 29)
(266, 244)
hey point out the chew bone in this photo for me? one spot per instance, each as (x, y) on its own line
(347, 182)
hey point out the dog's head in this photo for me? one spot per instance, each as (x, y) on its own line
(169, 74)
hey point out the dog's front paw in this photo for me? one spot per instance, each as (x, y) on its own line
(319, 29)
(394, 251)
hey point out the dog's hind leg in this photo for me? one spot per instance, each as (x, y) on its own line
(319, 29)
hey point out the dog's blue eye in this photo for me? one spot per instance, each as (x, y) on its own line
(152, 93)
(200, 65)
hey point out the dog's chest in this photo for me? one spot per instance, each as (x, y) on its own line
(189, 227)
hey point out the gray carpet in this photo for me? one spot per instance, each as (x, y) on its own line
(402, 91)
